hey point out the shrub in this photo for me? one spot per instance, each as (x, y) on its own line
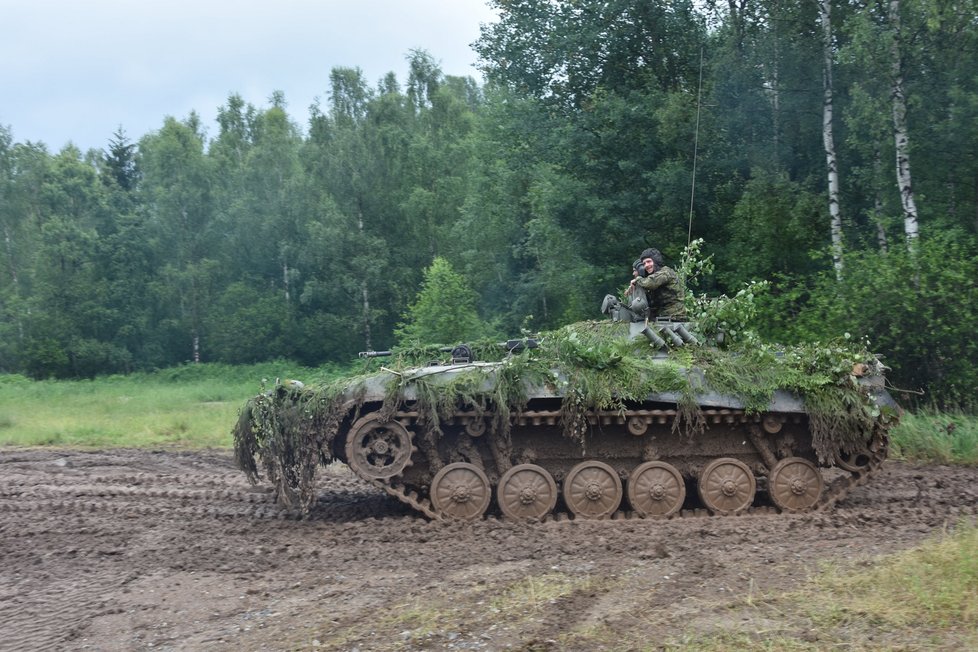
(917, 309)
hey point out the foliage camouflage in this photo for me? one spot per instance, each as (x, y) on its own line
(290, 429)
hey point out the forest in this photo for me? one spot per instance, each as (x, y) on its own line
(826, 154)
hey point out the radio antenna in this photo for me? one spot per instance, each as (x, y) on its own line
(696, 142)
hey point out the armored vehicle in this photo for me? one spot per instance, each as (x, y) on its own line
(599, 419)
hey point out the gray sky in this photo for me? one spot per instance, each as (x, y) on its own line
(76, 70)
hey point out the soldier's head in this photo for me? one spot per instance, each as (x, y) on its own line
(638, 269)
(651, 260)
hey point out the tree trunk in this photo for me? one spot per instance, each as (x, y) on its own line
(878, 204)
(900, 132)
(736, 16)
(285, 279)
(776, 102)
(365, 293)
(14, 278)
(10, 258)
(976, 202)
(835, 214)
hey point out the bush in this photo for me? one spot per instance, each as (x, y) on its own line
(14, 380)
(89, 358)
(917, 310)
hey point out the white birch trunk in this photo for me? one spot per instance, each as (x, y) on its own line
(835, 213)
(776, 97)
(285, 279)
(900, 133)
(8, 245)
(365, 294)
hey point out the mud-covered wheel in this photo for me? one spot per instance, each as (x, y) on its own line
(378, 450)
(526, 492)
(461, 490)
(727, 486)
(592, 489)
(795, 484)
(656, 489)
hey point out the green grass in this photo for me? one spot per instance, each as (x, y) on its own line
(932, 587)
(922, 599)
(934, 436)
(191, 406)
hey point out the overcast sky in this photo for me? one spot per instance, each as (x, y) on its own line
(77, 70)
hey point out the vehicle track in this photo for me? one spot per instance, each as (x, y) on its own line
(126, 550)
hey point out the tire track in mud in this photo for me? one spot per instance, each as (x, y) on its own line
(43, 613)
(72, 534)
(79, 531)
(56, 570)
(149, 496)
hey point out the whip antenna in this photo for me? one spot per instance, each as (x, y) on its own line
(696, 142)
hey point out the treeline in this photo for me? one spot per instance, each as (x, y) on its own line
(830, 148)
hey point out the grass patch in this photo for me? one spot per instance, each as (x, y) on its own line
(465, 610)
(938, 437)
(931, 588)
(925, 598)
(192, 406)
(531, 595)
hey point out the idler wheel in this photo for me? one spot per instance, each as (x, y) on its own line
(656, 489)
(526, 492)
(727, 486)
(461, 490)
(378, 450)
(592, 489)
(856, 460)
(475, 427)
(795, 484)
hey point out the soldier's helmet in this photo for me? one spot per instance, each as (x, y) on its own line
(655, 255)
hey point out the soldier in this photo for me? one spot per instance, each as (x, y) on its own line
(638, 305)
(662, 286)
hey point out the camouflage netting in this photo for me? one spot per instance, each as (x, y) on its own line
(593, 365)
(291, 430)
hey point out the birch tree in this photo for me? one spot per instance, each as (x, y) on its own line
(901, 134)
(825, 16)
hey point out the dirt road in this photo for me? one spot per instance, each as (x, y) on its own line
(138, 550)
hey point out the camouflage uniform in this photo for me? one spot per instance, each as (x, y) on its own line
(665, 292)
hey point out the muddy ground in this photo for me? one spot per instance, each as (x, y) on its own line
(165, 550)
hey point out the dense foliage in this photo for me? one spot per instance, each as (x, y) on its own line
(601, 128)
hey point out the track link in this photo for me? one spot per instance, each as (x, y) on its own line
(842, 485)
(410, 498)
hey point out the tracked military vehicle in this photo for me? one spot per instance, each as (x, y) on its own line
(617, 418)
